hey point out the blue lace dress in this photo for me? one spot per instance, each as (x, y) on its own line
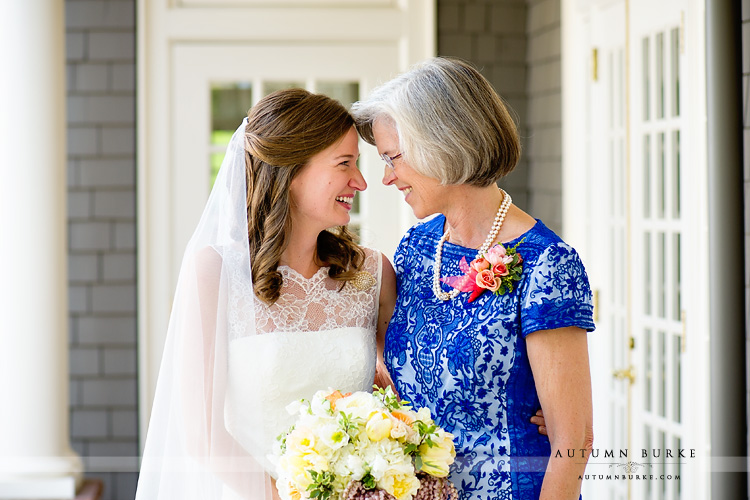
(468, 362)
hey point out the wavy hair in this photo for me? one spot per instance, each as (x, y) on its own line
(285, 129)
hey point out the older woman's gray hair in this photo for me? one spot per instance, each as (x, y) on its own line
(451, 124)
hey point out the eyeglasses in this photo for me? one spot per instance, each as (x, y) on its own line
(389, 159)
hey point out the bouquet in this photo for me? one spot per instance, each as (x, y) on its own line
(363, 446)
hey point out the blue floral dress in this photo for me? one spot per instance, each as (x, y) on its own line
(468, 362)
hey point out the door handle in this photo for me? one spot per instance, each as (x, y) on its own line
(627, 373)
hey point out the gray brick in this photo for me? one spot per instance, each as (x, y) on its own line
(79, 204)
(119, 267)
(74, 391)
(122, 77)
(80, 447)
(448, 17)
(124, 236)
(507, 19)
(746, 152)
(746, 13)
(548, 207)
(110, 46)
(118, 140)
(89, 236)
(545, 175)
(88, 423)
(486, 49)
(124, 423)
(75, 46)
(106, 173)
(544, 77)
(78, 298)
(126, 485)
(455, 45)
(544, 46)
(97, 15)
(70, 76)
(545, 143)
(83, 141)
(114, 204)
(92, 77)
(101, 330)
(119, 361)
(545, 109)
(83, 267)
(109, 392)
(475, 18)
(746, 47)
(509, 80)
(126, 449)
(511, 49)
(72, 173)
(543, 15)
(101, 109)
(84, 361)
(113, 298)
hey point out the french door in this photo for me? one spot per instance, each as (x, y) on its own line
(202, 65)
(641, 151)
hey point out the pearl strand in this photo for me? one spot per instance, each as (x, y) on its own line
(491, 237)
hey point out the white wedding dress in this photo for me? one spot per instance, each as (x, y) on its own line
(317, 335)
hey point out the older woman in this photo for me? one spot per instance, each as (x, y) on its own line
(508, 337)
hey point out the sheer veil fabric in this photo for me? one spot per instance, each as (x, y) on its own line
(190, 453)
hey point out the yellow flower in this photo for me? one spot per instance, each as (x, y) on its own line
(436, 459)
(378, 426)
(401, 486)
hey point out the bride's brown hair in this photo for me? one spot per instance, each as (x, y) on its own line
(285, 129)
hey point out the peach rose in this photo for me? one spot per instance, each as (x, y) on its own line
(500, 269)
(480, 264)
(486, 279)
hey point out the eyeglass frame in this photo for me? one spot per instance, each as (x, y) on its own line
(389, 160)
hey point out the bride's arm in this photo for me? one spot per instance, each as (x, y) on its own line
(204, 366)
(385, 310)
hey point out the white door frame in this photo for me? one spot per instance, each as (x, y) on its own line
(166, 27)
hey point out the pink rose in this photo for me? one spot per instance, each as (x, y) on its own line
(500, 269)
(480, 264)
(486, 279)
(495, 254)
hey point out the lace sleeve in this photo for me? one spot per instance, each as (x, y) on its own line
(557, 292)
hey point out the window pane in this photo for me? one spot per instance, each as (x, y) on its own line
(344, 92)
(229, 106)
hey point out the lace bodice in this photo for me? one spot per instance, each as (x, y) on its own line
(317, 335)
(319, 303)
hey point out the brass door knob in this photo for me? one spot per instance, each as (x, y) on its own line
(626, 373)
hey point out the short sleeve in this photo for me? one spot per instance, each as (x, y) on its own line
(556, 292)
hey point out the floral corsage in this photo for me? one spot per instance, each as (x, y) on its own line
(496, 271)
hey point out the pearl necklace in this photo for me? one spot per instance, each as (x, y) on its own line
(496, 225)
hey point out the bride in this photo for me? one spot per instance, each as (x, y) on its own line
(274, 301)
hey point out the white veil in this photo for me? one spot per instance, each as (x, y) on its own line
(190, 454)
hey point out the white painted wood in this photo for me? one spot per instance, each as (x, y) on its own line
(183, 48)
(35, 455)
(622, 240)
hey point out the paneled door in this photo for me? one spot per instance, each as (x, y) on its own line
(641, 146)
(202, 65)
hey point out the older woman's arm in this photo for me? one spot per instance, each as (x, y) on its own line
(560, 364)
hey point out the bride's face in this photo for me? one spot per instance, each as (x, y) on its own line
(323, 192)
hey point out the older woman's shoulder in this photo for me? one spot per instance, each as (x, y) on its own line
(540, 243)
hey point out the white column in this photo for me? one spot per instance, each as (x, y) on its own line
(35, 456)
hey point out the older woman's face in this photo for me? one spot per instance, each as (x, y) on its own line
(422, 193)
